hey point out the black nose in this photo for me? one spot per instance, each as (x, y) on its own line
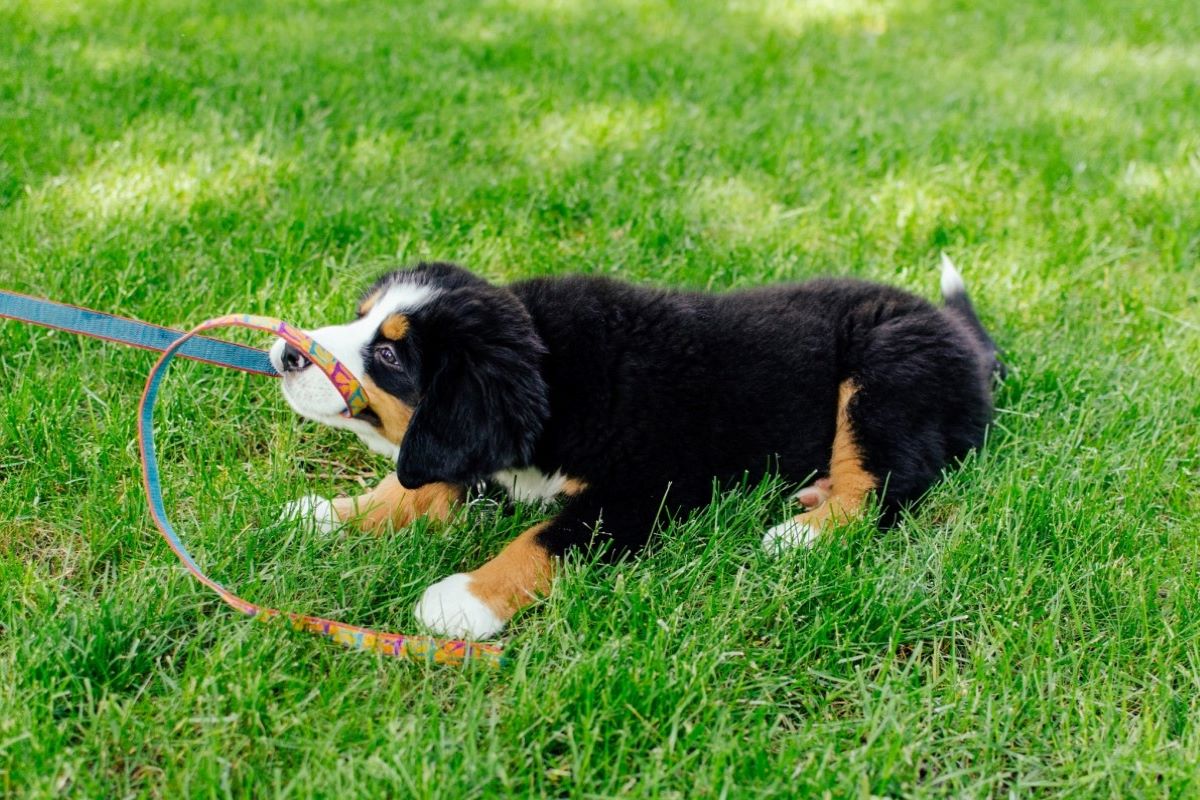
(293, 360)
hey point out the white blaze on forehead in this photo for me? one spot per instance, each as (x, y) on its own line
(311, 394)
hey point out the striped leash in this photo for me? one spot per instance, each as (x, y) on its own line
(192, 345)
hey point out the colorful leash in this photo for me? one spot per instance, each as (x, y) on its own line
(190, 345)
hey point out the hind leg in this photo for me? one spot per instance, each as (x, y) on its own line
(813, 495)
(918, 401)
(833, 501)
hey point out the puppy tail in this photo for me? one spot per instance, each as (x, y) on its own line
(954, 293)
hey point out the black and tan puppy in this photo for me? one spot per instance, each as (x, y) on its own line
(634, 402)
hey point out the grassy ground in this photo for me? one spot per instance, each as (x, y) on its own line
(1033, 629)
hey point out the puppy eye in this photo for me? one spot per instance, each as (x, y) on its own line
(388, 355)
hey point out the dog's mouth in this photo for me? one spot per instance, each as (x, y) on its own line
(368, 416)
(300, 397)
(332, 415)
(310, 394)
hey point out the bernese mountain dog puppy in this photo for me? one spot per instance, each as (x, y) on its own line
(635, 403)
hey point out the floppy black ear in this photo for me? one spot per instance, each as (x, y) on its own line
(484, 405)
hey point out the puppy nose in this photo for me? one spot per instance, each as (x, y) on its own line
(293, 360)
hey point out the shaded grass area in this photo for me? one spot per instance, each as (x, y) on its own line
(1032, 628)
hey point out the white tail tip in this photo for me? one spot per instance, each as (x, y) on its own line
(952, 280)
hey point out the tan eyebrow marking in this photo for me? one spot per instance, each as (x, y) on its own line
(365, 306)
(394, 327)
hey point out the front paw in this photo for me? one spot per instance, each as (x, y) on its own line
(448, 607)
(314, 511)
(790, 534)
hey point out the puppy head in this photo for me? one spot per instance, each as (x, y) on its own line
(452, 371)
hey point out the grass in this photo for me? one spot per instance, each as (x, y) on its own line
(1033, 629)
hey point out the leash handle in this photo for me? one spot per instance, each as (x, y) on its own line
(419, 648)
(122, 330)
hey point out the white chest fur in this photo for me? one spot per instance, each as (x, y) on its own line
(530, 485)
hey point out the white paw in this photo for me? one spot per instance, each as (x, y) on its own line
(312, 510)
(789, 534)
(449, 608)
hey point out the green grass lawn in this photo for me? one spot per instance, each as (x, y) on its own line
(1033, 628)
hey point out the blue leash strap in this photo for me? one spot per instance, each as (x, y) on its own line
(112, 328)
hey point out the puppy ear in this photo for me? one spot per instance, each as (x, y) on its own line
(485, 404)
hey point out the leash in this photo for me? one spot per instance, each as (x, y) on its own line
(172, 343)
(143, 335)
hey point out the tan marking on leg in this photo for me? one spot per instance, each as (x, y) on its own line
(365, 306)
(389, 502)
(393, 413)
(516, 577)
(394, 327)
(573, 486)
(849, 481)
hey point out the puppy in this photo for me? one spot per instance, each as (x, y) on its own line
(634, 403)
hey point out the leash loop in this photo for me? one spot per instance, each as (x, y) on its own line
(172, 343)
(420, 648)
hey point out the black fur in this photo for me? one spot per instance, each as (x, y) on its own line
(483, 401)
(649, 396)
